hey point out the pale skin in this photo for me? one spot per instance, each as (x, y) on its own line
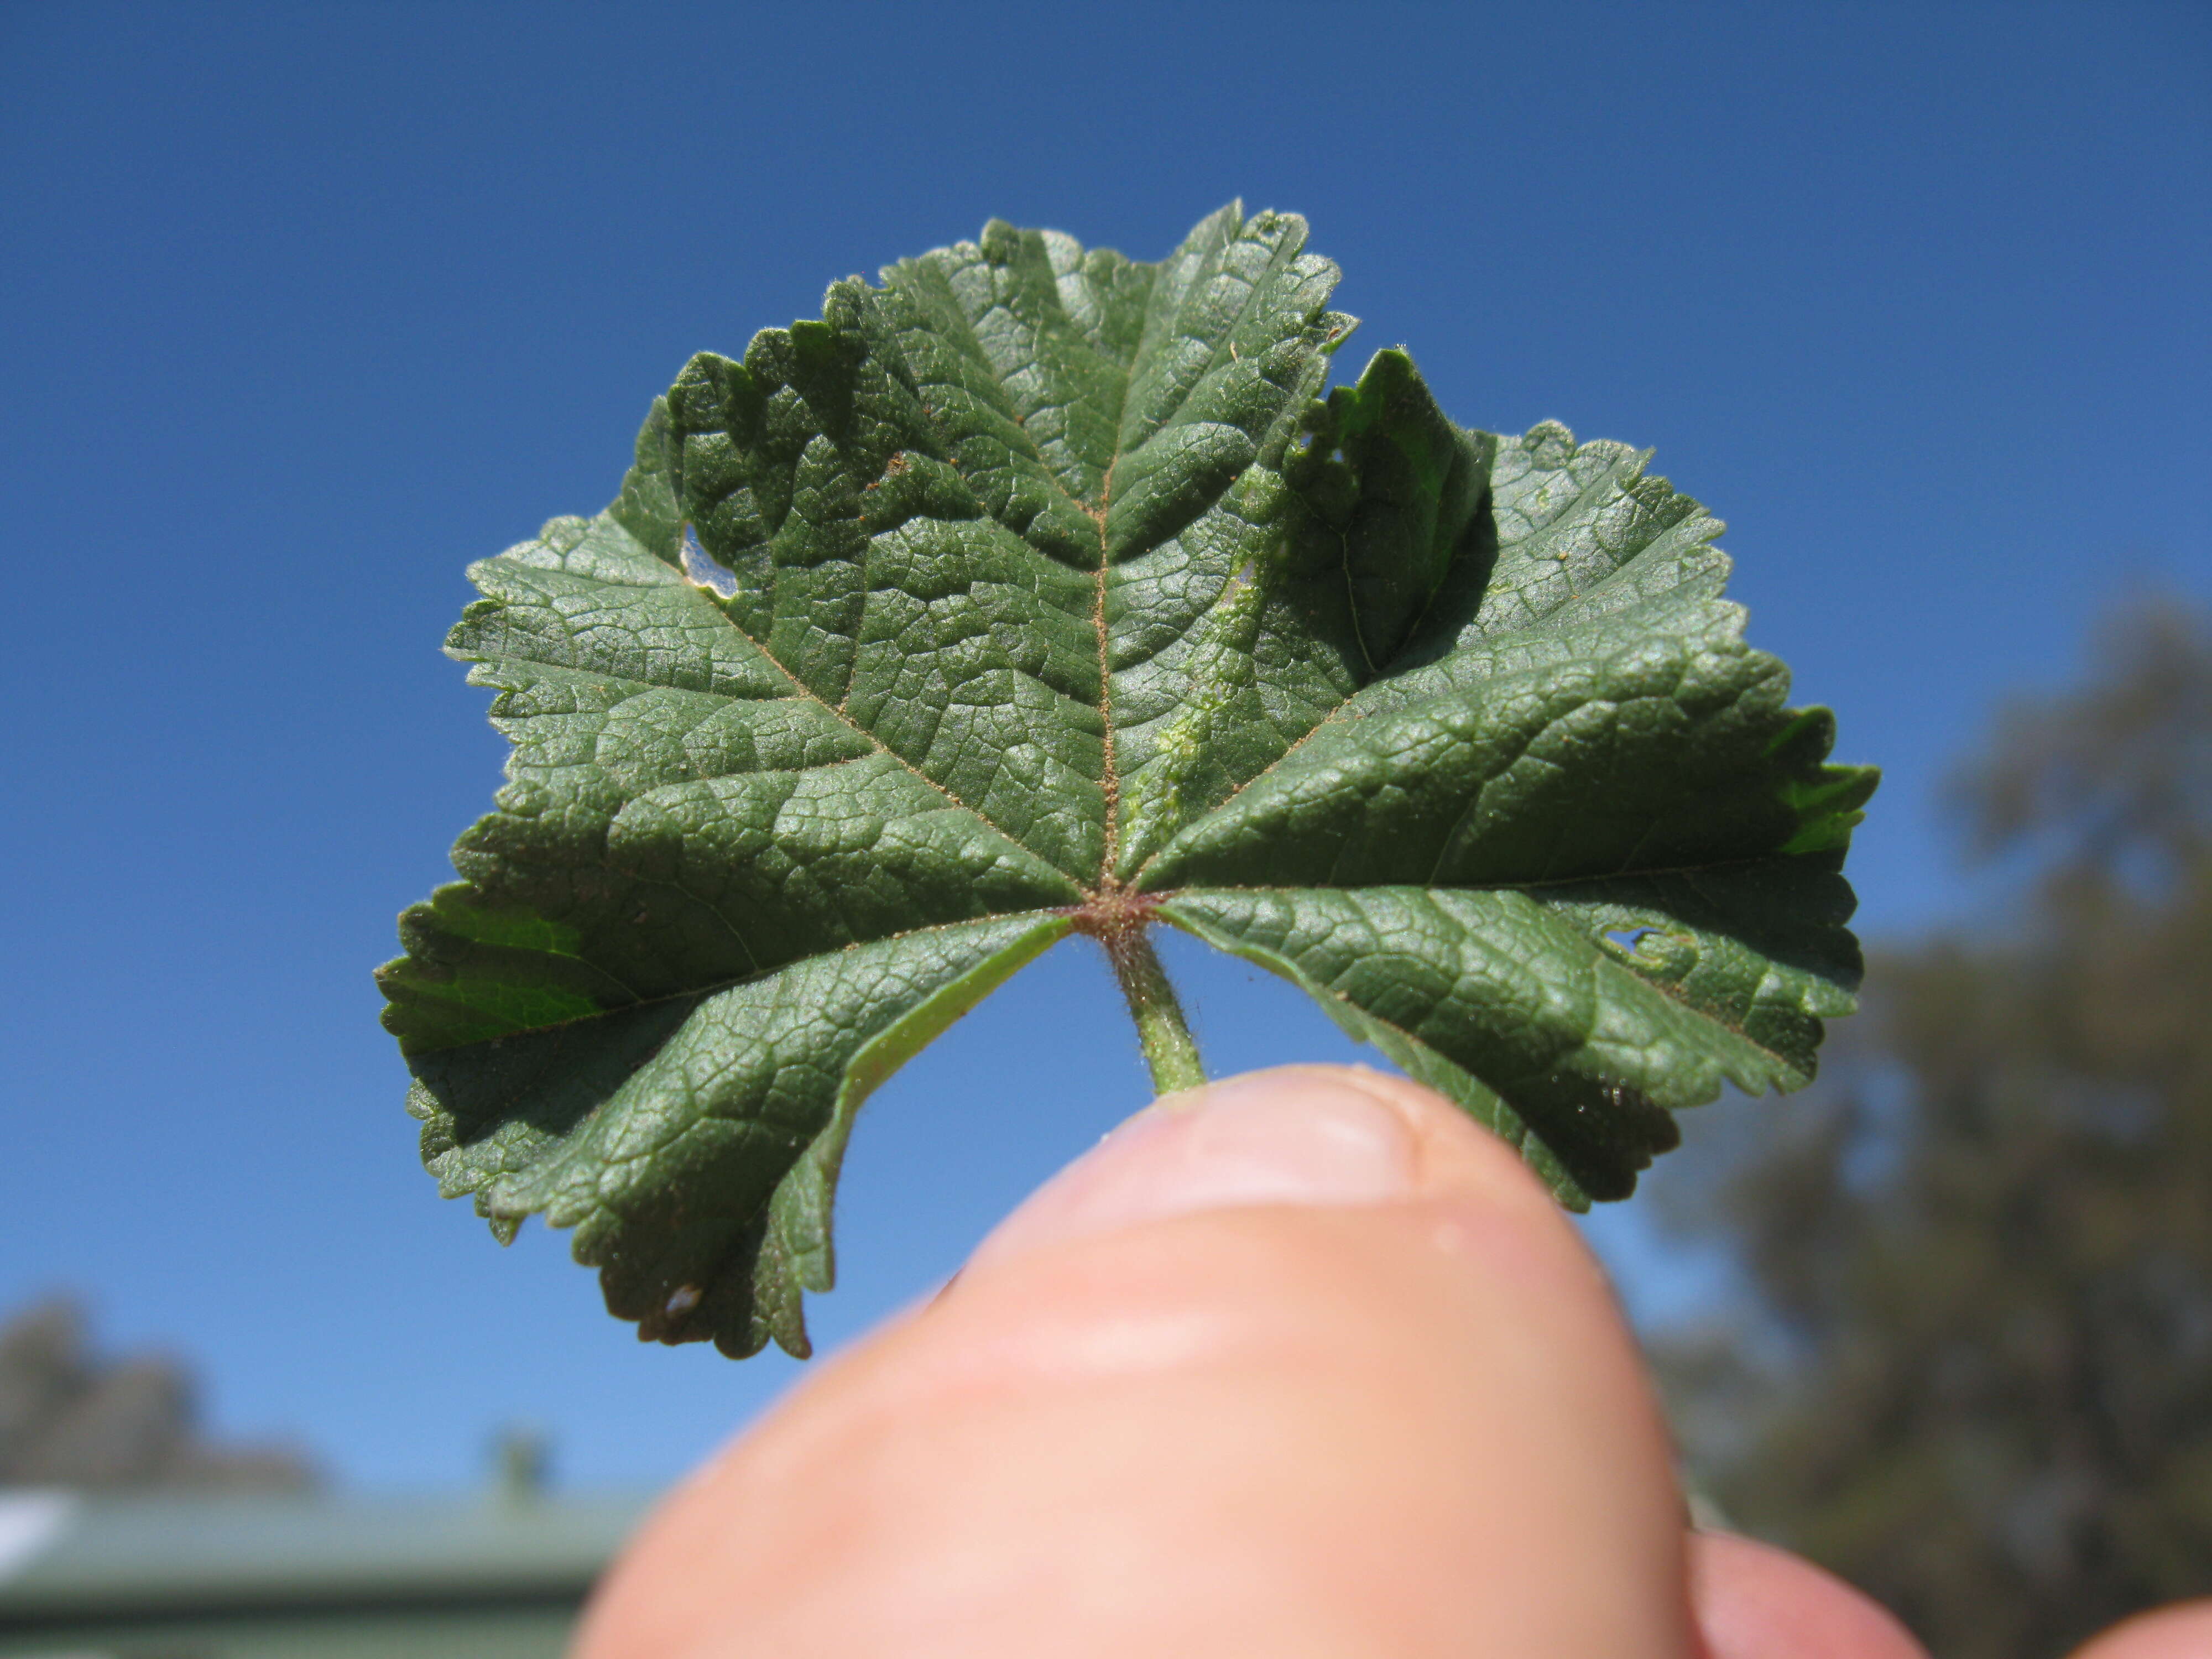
(1303, 1365)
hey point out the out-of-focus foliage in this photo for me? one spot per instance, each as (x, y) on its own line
(69, 1417)
(1972, 1370)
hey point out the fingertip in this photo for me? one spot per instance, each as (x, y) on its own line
(1302, 1135)
(2181, 1631)
(1753, 1601)
(1310, 1135)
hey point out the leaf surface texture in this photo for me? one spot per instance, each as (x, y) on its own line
(1033, 590)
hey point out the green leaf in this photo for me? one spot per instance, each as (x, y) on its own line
(1036, 592)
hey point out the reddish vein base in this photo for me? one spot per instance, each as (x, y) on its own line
(1121, 922)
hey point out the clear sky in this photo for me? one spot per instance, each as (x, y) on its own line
(308, 307)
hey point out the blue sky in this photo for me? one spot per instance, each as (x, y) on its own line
(309, 307)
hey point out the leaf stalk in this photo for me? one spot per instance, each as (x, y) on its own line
(1170, 1050)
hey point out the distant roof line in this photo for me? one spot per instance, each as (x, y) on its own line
(66, 1555)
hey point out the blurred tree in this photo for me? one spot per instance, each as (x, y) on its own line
(1971, 1369)
(68, 1418)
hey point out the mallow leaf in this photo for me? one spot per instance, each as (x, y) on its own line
(1036, 592)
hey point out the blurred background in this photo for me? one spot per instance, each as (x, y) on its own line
(309, 306)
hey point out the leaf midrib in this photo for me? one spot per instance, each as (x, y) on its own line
(1671, 994)
(715, 987)
(1347, 711)
(1110, 776)
(1624, 874)
(1110, 780)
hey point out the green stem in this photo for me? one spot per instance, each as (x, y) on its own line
(1168, 1047)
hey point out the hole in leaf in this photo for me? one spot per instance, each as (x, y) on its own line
(682, 1301)
(1629, 938)
(701, 568)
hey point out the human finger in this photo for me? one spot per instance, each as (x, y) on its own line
(1303, 1365)
(1753, 1602)
(2181, 1631)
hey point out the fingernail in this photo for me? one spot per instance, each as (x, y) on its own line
(1275, 1137)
